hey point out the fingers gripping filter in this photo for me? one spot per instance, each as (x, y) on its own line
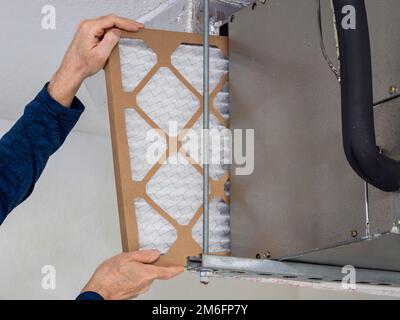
(155, 83)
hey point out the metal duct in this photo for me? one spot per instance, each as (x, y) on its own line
(187, 15)
(220, 11)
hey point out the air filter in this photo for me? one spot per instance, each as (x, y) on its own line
(154, 83)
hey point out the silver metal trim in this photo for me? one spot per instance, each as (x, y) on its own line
(293, 271)
(367, 219)
(206, 126)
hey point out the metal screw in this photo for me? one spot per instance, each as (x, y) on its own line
(354, 233)
(232, 17)
(267, 255)
(204, 277)
(393, 90)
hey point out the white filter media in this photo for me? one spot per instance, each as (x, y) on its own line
(139, 144)
(165, 99)
(134, 71)
(176, 187)
(219, 146)
(154, 230)
(188, 59)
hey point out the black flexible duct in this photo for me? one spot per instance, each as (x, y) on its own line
(357, 102)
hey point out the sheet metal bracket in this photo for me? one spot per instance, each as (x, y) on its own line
(293, 271)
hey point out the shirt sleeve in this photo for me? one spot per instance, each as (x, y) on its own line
(90, 295)
(26, 148)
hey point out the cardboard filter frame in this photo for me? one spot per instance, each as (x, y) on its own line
(163, 44)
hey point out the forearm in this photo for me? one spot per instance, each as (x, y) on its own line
(26, 148)
(65, 83)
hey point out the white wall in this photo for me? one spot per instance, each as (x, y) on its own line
(71, 220)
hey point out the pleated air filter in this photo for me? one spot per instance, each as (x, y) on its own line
(154, 82)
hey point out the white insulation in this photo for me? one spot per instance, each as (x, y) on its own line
(176, 187)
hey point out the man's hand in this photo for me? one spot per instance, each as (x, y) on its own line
(87, 54)
(128, 275)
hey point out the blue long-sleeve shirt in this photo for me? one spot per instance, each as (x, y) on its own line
(26, 148)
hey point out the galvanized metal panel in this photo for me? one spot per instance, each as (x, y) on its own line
(384, 207)
(297, 273)
(380, 253)
(383, 16)
(385, 45)
(303, 194)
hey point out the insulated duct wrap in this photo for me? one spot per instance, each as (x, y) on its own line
(357, 99)
(187, 15)
(163, 100)
(220, 12)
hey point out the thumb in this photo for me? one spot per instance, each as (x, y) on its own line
(108, 43)
(166, 273)
(144, 256)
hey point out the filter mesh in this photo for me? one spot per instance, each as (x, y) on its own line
(154, 78)
(150, 223)
(217, 150)
(134, 71)
(175, 187)
(219, 227)
(221, 102)
(139, 144)
(188, 59)
(166, 99)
